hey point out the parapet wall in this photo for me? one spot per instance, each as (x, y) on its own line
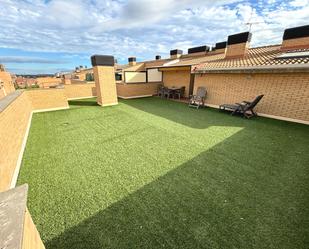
(8, 86)
(286, 95)
(45, 82)
(47, 99)
(135, 90)
(82, 90)
(13, 126)
(15, 121)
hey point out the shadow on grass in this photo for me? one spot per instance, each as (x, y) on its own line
(182, 114)
(83, 102)
(226, 197)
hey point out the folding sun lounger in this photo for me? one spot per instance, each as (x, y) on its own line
(244, 108)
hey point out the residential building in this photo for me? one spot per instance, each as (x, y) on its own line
(6, 82)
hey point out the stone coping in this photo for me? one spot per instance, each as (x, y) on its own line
(12, 215)
(138, 83)
(7, 100)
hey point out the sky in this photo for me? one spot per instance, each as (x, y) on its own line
(48, 36)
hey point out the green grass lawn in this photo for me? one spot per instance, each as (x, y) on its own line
(152, 173)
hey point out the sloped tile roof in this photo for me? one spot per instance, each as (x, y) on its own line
(201, 59)
(257, 57)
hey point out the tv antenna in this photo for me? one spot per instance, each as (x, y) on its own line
(250, 23)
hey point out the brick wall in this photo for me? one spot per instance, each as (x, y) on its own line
(8, 85)
(237, 50)
(13, 124)
(177, 78)
(45, 82)
(42, 99)
(80, 90)
(104, 77)
(136, 89)
(286, 95)
(31, 236)
(2, 93)
(295, 43)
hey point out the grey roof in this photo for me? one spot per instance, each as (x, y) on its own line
(12, 214)
(7, 100)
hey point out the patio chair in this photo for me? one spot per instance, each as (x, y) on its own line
(198, 99)
(168, 93)
(245, 108)
(161, 91)
(179, 93)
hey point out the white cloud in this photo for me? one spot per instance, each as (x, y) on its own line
(299, 3)
(139, 27)
(29, 59)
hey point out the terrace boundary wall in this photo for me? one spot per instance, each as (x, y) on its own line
(15, 122)
(177, 78)
(286, 95)
(16, 111)
(137, 90)
(80, 91)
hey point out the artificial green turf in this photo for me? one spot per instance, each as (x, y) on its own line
(152, 173)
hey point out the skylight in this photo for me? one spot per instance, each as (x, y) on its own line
(289, 55)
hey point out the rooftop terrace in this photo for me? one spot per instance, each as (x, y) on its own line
(152, 173)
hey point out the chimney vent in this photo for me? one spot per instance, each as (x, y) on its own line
(200, 49)
(102, 60)
(176, 53)
(238, 44)
(220, 47)
(296, 38)
(158, 57)
(132, 61)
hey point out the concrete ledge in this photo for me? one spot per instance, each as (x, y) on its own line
(51, 109)
(12, 215)
(138, 83)
(110, 104)
(21, 154)
(284, 118)
(7, 100)
(258, 69)
(87, 97)
(23, 146)
(271, 116)
(135, 97)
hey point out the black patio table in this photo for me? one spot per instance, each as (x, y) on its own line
(172, 90)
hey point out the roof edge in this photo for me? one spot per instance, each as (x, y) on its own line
(260, 69)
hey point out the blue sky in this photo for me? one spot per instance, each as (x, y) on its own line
(40, 36)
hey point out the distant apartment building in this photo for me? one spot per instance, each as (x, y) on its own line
(6, 82)
(25, 82)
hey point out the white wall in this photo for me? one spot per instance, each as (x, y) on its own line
(135, 77)
(154, 75)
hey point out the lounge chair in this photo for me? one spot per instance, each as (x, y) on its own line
(244, 108)
(198, 99)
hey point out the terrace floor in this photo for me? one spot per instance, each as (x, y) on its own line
(152, 173)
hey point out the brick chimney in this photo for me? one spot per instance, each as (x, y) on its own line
(104, 78)
(176, 53)
(132, 61)
(220, 47)
(201, 50)
(295, 38)
(2, 68)
(237, 45)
